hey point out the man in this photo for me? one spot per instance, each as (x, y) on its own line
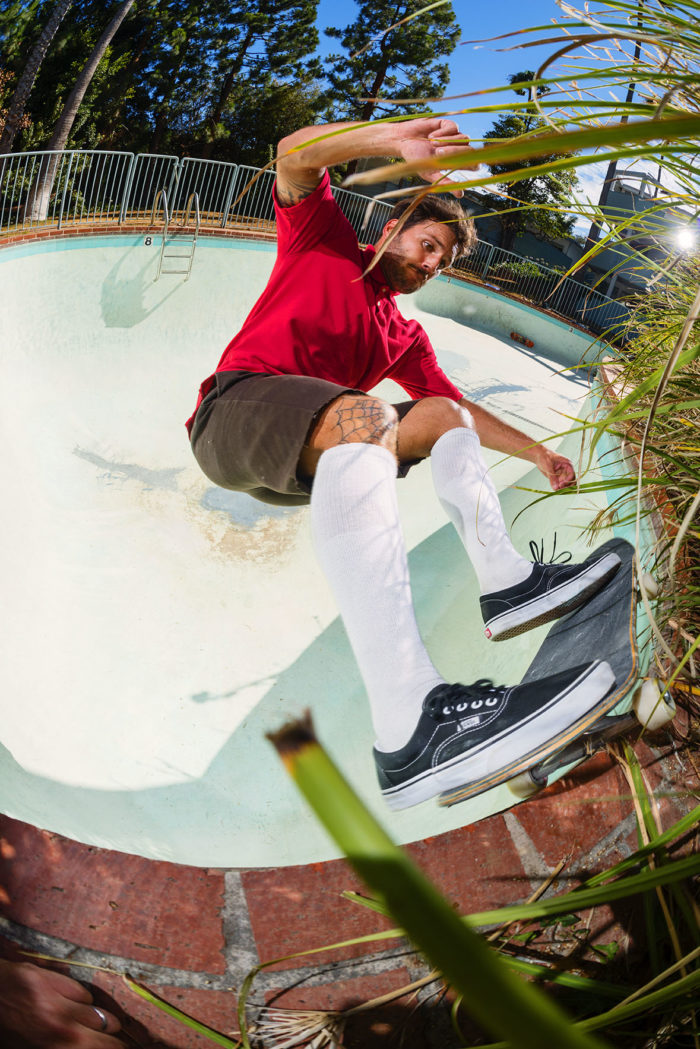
(287, 415)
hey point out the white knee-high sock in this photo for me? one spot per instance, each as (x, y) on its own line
(466, 491)
(360, 547)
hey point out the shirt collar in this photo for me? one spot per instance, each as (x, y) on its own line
(376, 274)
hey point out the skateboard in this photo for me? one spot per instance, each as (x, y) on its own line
(604, 628)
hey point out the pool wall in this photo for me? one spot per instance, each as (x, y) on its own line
(483, 308)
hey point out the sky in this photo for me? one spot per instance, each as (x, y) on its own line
(476, 67)
(472, 67)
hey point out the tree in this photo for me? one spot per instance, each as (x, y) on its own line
(23, 120)
(67, 118)
(399, 62)
(38, 201)
(192, 63)
(259, 115)
(74, 40)
(15, 110)
(263, 38)
(539, 200)
(18, 25)
(171, 91)
(172, 81)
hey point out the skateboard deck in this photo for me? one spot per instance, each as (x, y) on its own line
(603, 628)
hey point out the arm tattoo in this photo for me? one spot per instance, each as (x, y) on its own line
(291, 192)
(367, 421)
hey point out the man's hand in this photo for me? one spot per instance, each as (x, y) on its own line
(432, 137)
(558, 470)
(47, 1010)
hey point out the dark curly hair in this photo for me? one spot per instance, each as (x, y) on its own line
(439, 207)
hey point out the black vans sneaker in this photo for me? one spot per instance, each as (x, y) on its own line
(468, 733)
(549, 591)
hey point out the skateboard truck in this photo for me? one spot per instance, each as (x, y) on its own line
(651, 710)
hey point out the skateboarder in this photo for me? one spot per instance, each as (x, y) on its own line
(287, 416)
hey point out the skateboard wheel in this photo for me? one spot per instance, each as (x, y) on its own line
(653, 708)
(649, 585)
(524, 785)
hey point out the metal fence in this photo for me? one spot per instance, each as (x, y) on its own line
(81, 187)
(545, 287)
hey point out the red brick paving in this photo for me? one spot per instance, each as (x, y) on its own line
(568, 819)
(170, 915)
(355, 990)
(112, 902)
(299, 908)
(476, 867)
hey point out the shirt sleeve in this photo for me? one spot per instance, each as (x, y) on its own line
(419, 373)
(316, 218)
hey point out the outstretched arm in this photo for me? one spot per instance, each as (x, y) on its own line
(494, 433)
(302, 160)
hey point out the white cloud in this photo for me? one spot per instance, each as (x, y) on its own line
(591, 178)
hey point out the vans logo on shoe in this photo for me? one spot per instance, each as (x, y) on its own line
(469, 723)
(467, 708)
(482, 718)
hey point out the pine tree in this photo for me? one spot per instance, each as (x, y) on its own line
(539, 199)
(192, 62)
(258, 116)
(259, 41)
(391, 63)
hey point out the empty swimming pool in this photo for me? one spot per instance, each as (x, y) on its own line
(157, 626)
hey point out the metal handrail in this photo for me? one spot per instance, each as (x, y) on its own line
(193, 199)
(161, 194)
(192, 206)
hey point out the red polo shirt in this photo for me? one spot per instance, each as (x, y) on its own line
(319, 316)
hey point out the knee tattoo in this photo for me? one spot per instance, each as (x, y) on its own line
(365, 420)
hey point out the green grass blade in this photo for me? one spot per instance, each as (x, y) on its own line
(650, 1002)
(681, 128)
(677, 991)
(177, 1014)
(682, 827)
(582, 898)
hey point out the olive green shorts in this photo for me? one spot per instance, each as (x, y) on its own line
(251, 428)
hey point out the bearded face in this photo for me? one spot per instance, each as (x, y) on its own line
(416, 254)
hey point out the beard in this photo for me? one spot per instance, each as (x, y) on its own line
(401, 275)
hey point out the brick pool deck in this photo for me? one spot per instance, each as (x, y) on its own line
(192, 934)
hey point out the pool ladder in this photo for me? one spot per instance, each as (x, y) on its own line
(178, 245)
